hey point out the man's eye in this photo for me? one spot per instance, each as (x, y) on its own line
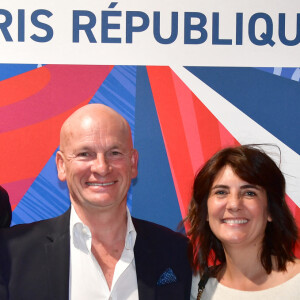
(83, 154)
(115, 153)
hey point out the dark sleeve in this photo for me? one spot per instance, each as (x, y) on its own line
(5, 209)
(3, 288)
(3, 269)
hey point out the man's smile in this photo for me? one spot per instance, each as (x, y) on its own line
(100, 184)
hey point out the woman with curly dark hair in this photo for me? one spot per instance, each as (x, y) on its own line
(241, 226)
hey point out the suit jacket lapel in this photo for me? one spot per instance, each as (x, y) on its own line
(145, 264)
(57, 247)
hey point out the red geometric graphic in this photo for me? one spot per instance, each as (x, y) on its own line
(33, 108)
(192, 134)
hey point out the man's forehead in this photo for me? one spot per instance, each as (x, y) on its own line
(98, 117)
(89, 125)
(92, 127)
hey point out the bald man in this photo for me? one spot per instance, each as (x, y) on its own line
(96, 250)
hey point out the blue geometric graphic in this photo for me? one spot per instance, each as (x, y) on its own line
(11, 70)
(272, 101)
(154, 197)
(290, 73)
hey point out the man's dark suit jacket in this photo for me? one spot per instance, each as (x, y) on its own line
(35, 261)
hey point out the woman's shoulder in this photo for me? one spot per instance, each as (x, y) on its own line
(280, 277)
(293, 268)
(194, 289)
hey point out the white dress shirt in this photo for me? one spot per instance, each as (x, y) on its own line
(87, 281)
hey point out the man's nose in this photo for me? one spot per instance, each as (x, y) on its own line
(100, 165)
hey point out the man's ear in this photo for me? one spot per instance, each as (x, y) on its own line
(60, 165)
(134, 163)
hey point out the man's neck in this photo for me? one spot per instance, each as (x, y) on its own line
(106, 225)
(108, 229)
